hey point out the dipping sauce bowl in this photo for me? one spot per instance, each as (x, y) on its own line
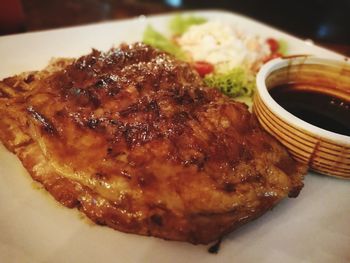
(304, 102)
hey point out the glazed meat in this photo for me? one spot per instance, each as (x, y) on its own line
(133, 139)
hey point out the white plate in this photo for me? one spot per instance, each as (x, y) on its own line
(315, 227)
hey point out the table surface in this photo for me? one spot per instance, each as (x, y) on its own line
(324, 22)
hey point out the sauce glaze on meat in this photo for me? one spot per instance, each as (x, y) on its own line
(134, 139)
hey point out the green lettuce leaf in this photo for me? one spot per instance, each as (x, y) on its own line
(234, 83)
(282, 47)
(157, 40)
(179, 24)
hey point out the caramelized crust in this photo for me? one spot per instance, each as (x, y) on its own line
(134, 139)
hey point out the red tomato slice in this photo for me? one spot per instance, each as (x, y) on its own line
(203, 68)
(273, 43)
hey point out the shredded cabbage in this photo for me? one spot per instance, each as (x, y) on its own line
(157, 40)
(179, 24)
(234, 83)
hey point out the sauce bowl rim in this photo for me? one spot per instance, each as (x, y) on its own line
(285, 115)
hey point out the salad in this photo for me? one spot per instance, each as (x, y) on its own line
(224, 56)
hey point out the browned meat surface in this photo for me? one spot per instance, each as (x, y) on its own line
(134, 140)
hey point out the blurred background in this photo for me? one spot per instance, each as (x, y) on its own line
(325, 22)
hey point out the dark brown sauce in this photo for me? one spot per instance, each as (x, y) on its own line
(320, 109)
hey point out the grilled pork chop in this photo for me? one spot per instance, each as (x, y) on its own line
(134, 140)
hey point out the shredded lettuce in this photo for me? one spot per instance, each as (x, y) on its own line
(157, 40)
(179, 24)
(234, 83)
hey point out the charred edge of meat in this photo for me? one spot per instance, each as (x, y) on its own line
(214, 249)
(129, 110)
(153, 107)
(45, 124)
(30, 78)
(85, 97)
(157, 220)
(93, 123)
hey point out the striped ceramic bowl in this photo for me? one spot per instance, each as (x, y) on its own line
(324, 151)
